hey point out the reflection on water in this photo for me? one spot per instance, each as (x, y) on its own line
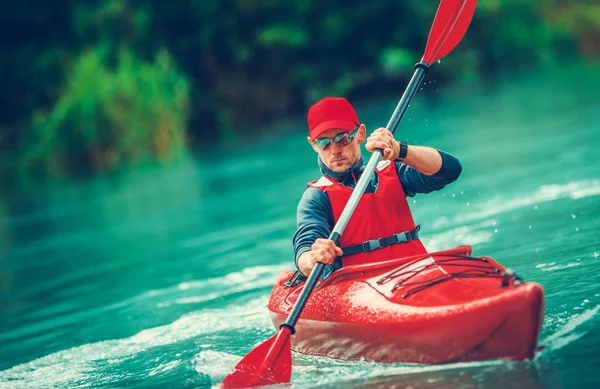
(536, 375)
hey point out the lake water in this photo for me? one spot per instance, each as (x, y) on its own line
(160, 277)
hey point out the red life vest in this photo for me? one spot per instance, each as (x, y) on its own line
(377, 215)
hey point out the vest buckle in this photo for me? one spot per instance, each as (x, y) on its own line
(372, 245)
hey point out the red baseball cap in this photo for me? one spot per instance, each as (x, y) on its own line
(331, 112)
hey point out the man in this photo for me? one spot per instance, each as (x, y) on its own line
(381, 226)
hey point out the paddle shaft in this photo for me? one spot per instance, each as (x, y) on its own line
(421, 70)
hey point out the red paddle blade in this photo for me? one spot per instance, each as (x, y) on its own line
(449, 27)
(268, 364)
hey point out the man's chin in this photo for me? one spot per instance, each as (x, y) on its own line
(339, 166)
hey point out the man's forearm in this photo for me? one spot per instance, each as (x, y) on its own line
(305, 265)
(425, 159)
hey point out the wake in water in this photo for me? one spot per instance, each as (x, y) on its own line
(94, 364)
(574, 190)
(321, 372)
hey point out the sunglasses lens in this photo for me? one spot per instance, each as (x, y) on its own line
(345, 141)
(322, 143)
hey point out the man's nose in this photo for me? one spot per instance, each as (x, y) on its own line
(335, 148)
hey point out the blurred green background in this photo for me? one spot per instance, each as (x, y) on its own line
(92, 86)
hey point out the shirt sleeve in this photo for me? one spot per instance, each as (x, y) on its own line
(414, 182)
(314, 218)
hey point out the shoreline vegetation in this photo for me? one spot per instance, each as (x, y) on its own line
(97, 87)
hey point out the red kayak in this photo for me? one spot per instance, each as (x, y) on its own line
(438, 308)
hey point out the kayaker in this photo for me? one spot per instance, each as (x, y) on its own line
(381, 226)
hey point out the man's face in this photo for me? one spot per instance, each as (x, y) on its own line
(340, 158)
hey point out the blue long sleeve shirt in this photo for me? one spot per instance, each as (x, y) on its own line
(315, 216)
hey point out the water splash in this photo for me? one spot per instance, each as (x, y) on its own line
(77, 367)
(567, 334)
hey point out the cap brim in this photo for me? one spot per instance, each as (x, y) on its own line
(342, 124)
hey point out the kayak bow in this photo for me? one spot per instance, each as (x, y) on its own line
(438, 308)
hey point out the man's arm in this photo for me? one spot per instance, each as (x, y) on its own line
(425, 170)
(426, 160)
(315, 222)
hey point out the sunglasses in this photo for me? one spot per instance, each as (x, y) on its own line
(343, 139)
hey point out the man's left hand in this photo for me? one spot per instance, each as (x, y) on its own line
(383, 139)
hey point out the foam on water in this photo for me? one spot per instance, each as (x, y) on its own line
(570, 329)
(247, 279)
(453, 237)
(76, 365)
(574, 190)
(309, 371)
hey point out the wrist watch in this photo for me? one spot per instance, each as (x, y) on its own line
(403, 151)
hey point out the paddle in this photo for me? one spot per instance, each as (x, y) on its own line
(271, 362)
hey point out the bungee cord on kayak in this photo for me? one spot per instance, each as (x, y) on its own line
(473, 271)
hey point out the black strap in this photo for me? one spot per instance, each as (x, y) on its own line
(375, 244)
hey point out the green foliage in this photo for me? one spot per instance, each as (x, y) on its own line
(109, 115)
(291, 36)
(246, 62)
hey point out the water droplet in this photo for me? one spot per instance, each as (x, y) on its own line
(495, 230)
(414, 201)
(530, 226)
(468, 203)
(536, 207)
(537, 250)
(409, 119)
(586, 301)
(479, 194)
(573, 216)
(462, 192)
(576, 229)
(453, 195)
(439, 61)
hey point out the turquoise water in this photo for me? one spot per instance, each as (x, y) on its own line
(160, 277)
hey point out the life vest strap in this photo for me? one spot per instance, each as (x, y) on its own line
(375, 244)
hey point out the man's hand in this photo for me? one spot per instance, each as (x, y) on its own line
(323, 250)
(383, 139)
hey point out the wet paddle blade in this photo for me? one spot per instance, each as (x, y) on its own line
(449, 27)
(268, 364)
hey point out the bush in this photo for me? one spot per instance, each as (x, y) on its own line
(112, 112)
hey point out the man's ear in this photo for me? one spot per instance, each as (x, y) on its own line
(362, 134)
(311, 144)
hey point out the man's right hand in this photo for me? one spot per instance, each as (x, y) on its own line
(323, 250)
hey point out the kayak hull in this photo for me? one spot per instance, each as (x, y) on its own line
(438, 308)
